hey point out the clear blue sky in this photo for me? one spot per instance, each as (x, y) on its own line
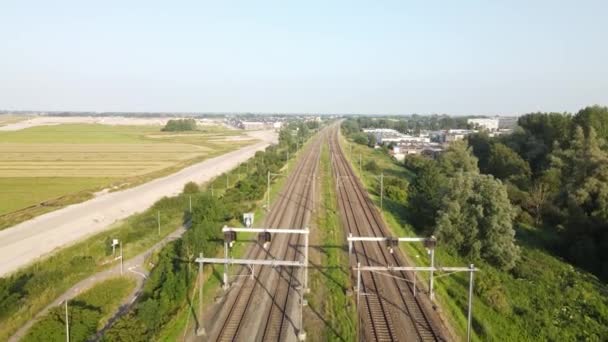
(458, 57)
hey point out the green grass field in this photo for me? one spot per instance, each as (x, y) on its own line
(47, 167)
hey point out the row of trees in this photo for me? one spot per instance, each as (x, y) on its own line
(555, 167)
(169, 283)
(411, 124)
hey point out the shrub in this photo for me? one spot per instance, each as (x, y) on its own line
(371, 166)
(191, 188)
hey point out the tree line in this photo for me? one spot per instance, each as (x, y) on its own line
(178, 125)
(555, 168)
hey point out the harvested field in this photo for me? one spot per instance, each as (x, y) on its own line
(46, 167)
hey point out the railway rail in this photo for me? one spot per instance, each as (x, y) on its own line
(291, 210)
(389, 307)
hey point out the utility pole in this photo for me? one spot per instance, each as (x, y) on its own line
(158, 216)
(121, 259)
(472, 267)
(190, 199)
(201, 330)
(268, 192)
(381, 190)
(305, 289)
(67, 323)
(431, 292)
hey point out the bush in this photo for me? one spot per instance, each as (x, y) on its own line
(191, 188)
(361, 138)
(372, 167)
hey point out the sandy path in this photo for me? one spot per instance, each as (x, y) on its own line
(131, 268)
(22, 244)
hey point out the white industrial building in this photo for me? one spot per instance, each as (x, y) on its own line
(483, 123)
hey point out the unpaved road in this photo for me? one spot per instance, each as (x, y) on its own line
(24, 243)
(133, 267)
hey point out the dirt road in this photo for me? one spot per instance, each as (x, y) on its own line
(133, 267)
(24, 243)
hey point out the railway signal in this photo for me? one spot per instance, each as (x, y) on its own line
(265, 237)
(393, 242)
(248, 219)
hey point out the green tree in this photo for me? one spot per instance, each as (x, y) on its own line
(583, 193)
(594, 117)
(176, 125)
(475, 219)
(371, 140)
(458, 158)
(361, 138)
(426, 193)
(507, 165)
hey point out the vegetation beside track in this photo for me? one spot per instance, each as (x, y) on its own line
(87, 313)
(330, 279)
(26, 292)
(541, 298)
(169, 287)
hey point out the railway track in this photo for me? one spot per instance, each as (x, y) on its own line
(291, 210)
(389, 308)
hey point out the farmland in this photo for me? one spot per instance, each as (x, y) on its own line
(47, 167)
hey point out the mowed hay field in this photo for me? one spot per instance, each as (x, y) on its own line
(46, 167)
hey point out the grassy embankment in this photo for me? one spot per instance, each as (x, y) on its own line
(183, 322)
(48, 167)
(331, 315)
(87, 312)
(29, 290)
(542, 298)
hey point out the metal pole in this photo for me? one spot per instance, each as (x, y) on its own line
(358, 283)
(225, 265)
(431, 292)
(313, 193)
(268, 192)
(67, 322)
(306, 261)
(121, 258)
(201, 329)
(415, 284)
(381, 190)
(158, 223)
(301, 334)
(470, 310)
